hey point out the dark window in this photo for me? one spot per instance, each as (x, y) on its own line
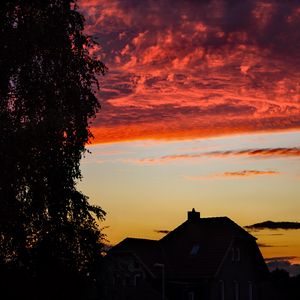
(137, 279)
(127, 280)
(222, 290)
(191, 295)
(236, 290)
(238, 254)
(235, 254)
(195, 249)
(250, 290)
(232, 254)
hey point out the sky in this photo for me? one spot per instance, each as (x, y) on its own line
(200, 108)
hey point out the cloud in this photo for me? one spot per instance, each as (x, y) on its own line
(162, 231)
(283, 263)
(281, 258)
(256, 153)
(188, 69)
(242, 173)
(269, 234)
(262, 245)
(100, 152)
(265, 152)
(274, 225)
(246, 173)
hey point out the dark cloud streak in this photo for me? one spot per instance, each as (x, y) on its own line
(274, 225)
(162, 231)
(251, 153)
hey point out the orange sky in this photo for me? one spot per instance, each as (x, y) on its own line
(149, 185)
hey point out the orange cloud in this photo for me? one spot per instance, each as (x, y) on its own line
(243, 173)
(177, 74)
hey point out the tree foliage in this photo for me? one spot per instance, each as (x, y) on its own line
(47, 97)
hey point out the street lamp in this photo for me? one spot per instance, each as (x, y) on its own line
(162, 266)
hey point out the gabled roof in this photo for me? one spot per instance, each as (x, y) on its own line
(148, 251)
(195, 249)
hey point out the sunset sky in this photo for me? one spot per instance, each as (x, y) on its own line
(200, 108)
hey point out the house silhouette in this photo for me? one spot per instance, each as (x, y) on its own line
(203, 258)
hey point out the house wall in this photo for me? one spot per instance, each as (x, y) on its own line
(188, 291)
(125, 278)
(242, 274)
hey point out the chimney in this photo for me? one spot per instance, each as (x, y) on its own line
(193, 215)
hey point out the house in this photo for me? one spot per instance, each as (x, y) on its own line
(203, 258)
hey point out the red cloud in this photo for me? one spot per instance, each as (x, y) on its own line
(266, 152)
(179, 72)
(258, 153)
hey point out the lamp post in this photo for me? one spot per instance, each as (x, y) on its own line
(162, 266)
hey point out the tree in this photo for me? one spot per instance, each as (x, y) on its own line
(47, 97)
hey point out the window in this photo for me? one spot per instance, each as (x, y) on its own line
(118, 280)
(238, 254)
(191, 295)
(126, 282)
(236, 290)
(235, 254)
(250, 290)
(195, 249)
(222, 290)
(136, 279)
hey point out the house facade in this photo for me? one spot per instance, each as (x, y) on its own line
(203, 258)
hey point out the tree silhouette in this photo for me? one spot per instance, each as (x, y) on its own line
(47, 97)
